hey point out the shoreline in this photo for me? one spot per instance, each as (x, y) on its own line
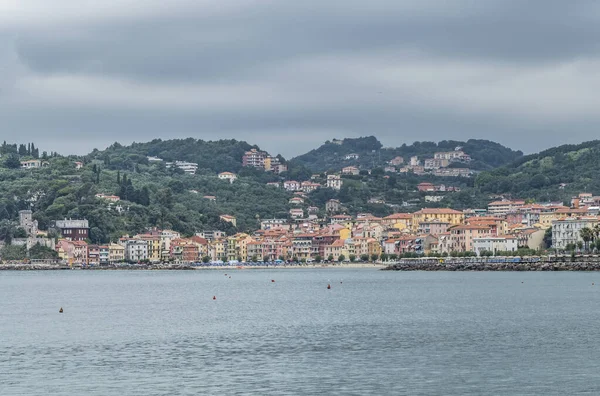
(184, 267)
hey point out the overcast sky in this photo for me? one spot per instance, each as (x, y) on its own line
(290, 74)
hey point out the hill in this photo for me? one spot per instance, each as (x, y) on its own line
(368, 152)
(554, 173)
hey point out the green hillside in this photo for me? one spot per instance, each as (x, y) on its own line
(575, 167)
(332, 156)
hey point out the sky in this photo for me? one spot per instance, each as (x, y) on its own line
(288, 75)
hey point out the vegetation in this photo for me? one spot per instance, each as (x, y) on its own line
(552, 174)
(331, 156)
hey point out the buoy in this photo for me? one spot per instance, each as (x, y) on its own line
(214, 297)
(521, 282)
(60, 310)
(230, 277)
(272, 280)
(328, 286)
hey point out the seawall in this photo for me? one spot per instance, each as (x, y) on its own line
(561, 263)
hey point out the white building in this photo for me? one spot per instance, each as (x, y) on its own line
(567, 231)
(334, 182)
(414, 161)
(136, 250)
(495, 244)
(231, 177)
(187, 167)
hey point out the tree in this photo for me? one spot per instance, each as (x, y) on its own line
(318, 258)
(12, 162)
(383, 257)
(12, 252)
(364, 257)
(254, 258)
(352, 258)
(341, 258)
(587, 234)
(205, 259)
(374, 257)
(330, 258)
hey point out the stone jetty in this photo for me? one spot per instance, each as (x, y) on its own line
(552, 263)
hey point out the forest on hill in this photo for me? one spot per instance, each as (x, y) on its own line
(556, 173)
(371, 153)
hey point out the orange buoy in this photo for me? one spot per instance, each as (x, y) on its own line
(214, 297)
(60, 310)
(328, 286)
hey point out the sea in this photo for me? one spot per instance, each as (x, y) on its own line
(283, 332)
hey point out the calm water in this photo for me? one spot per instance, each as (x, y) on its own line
(377, 333)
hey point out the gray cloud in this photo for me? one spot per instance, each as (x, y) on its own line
(289, 75)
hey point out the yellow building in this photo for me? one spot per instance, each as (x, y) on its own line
(154, 246)
(399, 221)
(454, 217)
(217, 249)
(116, 253)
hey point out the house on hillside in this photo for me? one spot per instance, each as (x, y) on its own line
(231, 177)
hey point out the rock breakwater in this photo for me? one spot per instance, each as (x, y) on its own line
(508, 264)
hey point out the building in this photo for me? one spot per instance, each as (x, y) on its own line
(153, 159)
(426, 187)
(268, 224)
(78, 165)
(230, 177)
(34, 164)
(116, 253)
(73, 230)
(211, 235)
(292, 185)
(333, 206)
(452, 156)
(452, 172)
(414, 161)
(494, 244)
(296, 201)
(307, 186)
(229, 219)
(434, 227)
(136, 250)
(110, 198)
(396, 161)
(350, 170)
(296, 213)
(254, 158)
(501, 208)
(188, 167)
(351, 156)
(567, 231)
(104, 254)
(451, 216)
(462, 236)
(334, 182)
(93, 255)
(435, 163)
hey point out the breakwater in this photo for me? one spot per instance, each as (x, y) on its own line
(551, 263)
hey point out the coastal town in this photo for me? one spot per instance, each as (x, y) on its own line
(327, 233)
(504, 227)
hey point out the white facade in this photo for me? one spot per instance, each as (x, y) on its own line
(334, 182)
(495, 244)
(227, 176)
(567, 231)
(136, 250)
